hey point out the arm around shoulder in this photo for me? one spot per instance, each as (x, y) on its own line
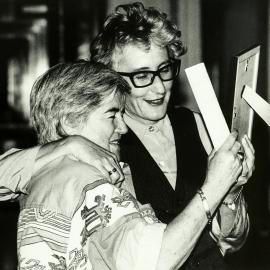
(16, 168)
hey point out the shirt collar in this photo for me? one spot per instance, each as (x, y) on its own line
(141, 129)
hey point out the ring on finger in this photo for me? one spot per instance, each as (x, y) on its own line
(112, 171)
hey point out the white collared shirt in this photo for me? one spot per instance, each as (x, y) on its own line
(158, 139)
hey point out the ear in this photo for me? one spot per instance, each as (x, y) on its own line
(66, 127)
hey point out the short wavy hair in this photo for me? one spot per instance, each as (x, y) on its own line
(133, 23)
(69, 91)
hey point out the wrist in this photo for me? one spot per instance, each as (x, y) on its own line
(214, 193)
(205, 205)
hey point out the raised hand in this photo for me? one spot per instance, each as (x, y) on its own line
(247, 164)
(84, 150)
(248, 161)
(224, 166)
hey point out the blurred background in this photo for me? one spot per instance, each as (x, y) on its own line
(36, 34)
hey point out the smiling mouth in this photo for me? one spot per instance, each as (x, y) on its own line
(155, 102)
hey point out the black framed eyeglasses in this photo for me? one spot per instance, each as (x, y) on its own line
(145, 78)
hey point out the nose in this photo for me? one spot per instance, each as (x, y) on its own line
(158, 86)
(121, 126)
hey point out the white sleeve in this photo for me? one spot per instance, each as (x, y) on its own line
(16, 168)
(130, 236)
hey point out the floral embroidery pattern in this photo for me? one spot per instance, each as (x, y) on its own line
(100, 211)
(125, 199)
(62, 263)
(43, 214)
(149, 215)
(32, 265)
(79, 259)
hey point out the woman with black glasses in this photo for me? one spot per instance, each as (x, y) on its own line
(167, 151)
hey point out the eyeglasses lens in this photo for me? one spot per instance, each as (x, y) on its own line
(166, 73)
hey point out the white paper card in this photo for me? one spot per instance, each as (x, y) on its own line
(208, 104)
(257, 103)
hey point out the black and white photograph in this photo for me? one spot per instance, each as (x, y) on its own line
(135, 135)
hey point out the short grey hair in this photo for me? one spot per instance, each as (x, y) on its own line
(70, 91)
(135, 24)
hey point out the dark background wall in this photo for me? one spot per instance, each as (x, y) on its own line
(36, 34)
(232, 26)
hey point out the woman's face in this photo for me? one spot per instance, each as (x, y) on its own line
(148, 104)
(105, 124)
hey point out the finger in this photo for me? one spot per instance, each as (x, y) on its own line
(235, 149)
(240, 168)
(121, 175)
(111, 158)
(115, 164)
(111, 175)
(114, 169)
(249, 143)
(105, 167)
(249, 154)
(238, 163)
(243, 178)
(115, 177)
(102, 169)
(229, 142)
(107, 164)
(245, 170)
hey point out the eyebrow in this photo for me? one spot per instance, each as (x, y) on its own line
(147, 68)
(114, 110)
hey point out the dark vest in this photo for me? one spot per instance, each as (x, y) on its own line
(151, 185)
